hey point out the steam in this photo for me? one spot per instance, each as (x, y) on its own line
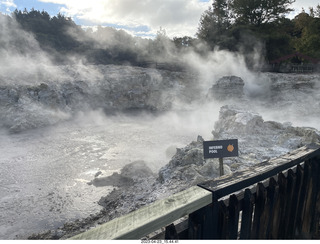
(84, 105)
(29, 66)
(22, 60)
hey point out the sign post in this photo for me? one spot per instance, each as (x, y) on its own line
(220, 149)
(221, 166)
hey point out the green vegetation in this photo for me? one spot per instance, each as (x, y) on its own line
(246, 26)
(60, 37)
(243, 25)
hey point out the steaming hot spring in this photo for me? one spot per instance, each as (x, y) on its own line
(81, 145)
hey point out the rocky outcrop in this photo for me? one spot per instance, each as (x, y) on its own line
(227, 87)
(259, 140)
(188, 167)
(31, 107)
(106, 87)
(129, 175)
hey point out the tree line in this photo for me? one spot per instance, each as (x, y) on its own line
(241, 25)
(61, 37)
(246, 26)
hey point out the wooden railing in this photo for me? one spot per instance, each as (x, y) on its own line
(276, 199)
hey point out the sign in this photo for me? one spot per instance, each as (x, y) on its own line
(220, 149)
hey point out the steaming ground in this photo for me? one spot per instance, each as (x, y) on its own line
(62, 127)
(67, 135)
(44, 172)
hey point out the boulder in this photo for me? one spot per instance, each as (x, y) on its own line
(130, 174)
(227, 87)
(188, 167)
(259, 139)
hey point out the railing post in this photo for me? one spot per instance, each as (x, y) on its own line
(258, 211)
(312, 192)
(171, 233)
(283, 187)
(207, 223)
(200, 224)
(233, 220)
(222, 220)
(247, 210)
(291, 204)
(215, 217)
(303, 199)
(221, 169)
(297, 198)
(316, 181)
(273, 194)
(316, 221)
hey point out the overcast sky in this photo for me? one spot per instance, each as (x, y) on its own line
(139, 17)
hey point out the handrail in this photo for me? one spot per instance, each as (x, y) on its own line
(148, 219)
(145, 220)
(242, 179)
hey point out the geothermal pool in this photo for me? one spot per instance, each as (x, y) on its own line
(45, 171)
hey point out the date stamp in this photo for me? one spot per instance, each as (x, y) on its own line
(160, 241)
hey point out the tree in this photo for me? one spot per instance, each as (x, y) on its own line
(257, 12)
(278, 36)
(307, 38)
(315, 12)
(214, 23)
(183, 42)
(162, 46)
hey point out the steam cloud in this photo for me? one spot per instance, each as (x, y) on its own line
(28, 66)
(34, 92)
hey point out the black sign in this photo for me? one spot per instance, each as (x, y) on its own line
(220, 149)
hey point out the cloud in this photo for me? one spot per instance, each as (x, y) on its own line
(7, 4)
(178, 17)
(298, 5)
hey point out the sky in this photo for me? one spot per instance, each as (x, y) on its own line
(138, 17)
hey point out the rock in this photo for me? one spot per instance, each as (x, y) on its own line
(211, 169)
(259, 139)
(188, 166)
(200, 139)
(114, 180)
(171, 151)
(136, 170)
(130, 174)
(227, 87)
(75, 89)
(238, 121)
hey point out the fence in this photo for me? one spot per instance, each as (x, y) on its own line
(174, 66)
(294, 68)
(277, 199)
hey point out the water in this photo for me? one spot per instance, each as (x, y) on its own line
(44, 172)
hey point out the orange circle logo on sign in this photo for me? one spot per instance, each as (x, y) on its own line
(230, 148)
